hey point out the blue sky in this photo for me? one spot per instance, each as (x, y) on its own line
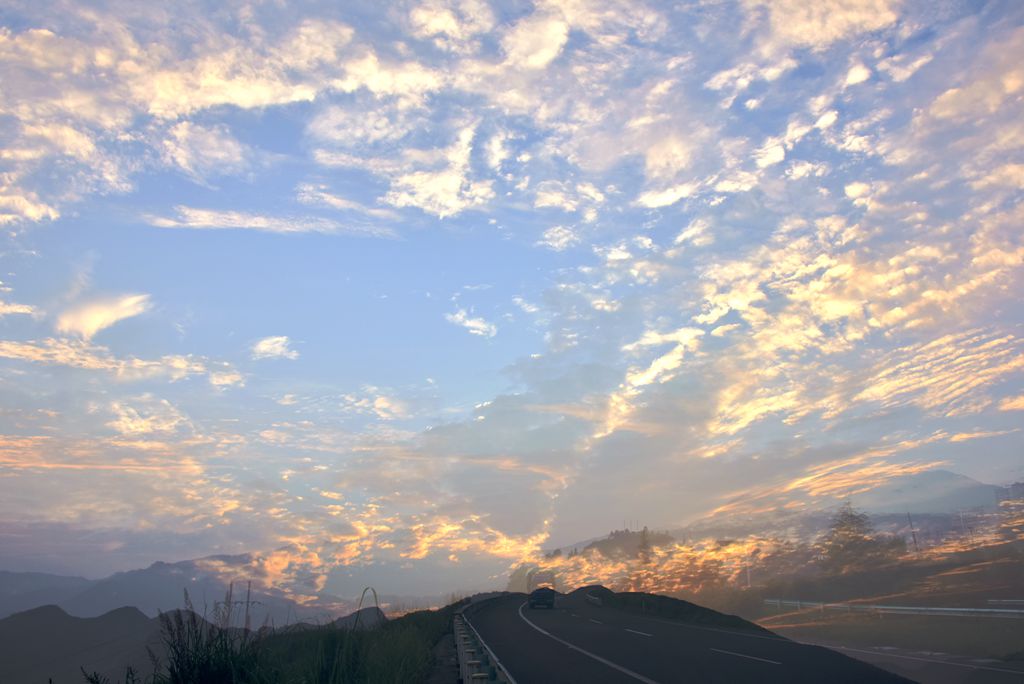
(417, 290)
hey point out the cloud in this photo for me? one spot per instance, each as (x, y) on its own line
(664, 198)
(376, 402)
(497, 150)
(452, 26)
(1007, 175)
(662, 368)
(570, 198)
(1012, 403)
(440, 181)
(772, 152)
(8, 308)
(215, 219)
(796, 236)
(796, 23)
(858, 73)
(146, 415)
(103, 121)
(475, 326)
(723, 330)
(91, 317)
(622, 403)
(948, 375)
(446, 191)
(697, 233)
(18, 205)
(998, 77)
(559, 238)
(277, 347)
(250, 75)
(805, 169)
(359, 129)
(857, 190)
(524, 305)
(202, 151)
(319, 195)
(534, 42)
(82, 355)
(980, 434)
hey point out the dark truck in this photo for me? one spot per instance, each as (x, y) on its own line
(542, 596)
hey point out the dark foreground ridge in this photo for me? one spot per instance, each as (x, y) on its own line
(596, 635)
(46, 644)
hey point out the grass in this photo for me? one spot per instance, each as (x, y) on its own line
(979, 637)
(400, 650)
(217, 651)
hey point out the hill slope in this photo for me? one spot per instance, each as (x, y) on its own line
(46, 642)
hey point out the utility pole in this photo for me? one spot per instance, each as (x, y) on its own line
(968, 532)
(913, 532)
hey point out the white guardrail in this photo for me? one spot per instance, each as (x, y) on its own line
(477, 663)
(896, 610)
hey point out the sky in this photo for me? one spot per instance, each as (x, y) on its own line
(408, 292)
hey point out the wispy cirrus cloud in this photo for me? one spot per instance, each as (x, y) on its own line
(9, 308)
(83, 355)
(90, 317)
(216, 219)
(309, 193)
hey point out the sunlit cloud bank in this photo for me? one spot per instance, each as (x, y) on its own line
(616, 260)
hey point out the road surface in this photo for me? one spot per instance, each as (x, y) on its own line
(580, 642)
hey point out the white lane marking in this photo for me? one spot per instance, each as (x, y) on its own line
(511, 679)
(637, 632)
(794, 642)
(750, 657)
(574, 614)
(733, 632)
(926, 660)
(596, 622)
(634, 675)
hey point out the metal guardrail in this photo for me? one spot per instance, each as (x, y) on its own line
(897, 610)
(477, 662)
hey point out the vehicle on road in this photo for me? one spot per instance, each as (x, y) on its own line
(542, 596)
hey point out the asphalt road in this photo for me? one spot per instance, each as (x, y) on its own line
(580, 642)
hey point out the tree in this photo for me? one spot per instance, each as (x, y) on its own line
(644, 548)
(851, 542)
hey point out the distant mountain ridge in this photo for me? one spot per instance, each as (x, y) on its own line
(24, 590)
(45, 643)
(938, 492)
(159, 588)
(931, 492)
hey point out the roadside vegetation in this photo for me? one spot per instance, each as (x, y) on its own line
(223, 648)
(848, 559)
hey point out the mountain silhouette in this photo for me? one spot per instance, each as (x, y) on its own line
(159, 588)
(47, 643)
